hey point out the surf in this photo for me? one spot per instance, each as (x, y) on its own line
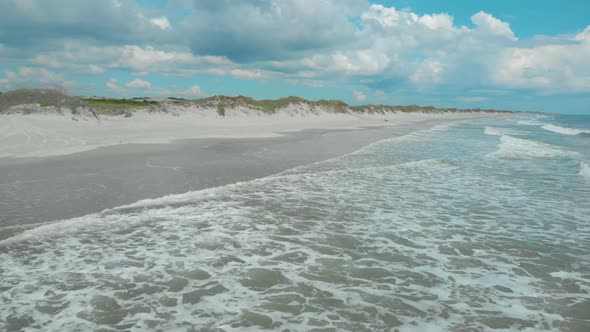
(565, 130)
(518, 148)
(585, 171)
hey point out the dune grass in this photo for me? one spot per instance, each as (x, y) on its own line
(119, 103)
(110, 106)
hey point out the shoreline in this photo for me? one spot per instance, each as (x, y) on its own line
(42, 190)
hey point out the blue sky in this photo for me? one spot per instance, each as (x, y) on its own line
(521, 55)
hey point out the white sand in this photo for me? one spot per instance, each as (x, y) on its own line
(42, 135)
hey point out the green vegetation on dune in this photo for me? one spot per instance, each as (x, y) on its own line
(109, 106)
(117, 106)
(43, 97)
(123, 103)
(269, 105)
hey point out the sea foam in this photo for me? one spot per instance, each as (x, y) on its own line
(529, 123)
(564, 130)
(585, 170)
(365, 243)
(495, 131)
(518, 148)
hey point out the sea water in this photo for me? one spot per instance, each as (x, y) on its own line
(477, 225)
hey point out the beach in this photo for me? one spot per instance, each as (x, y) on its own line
(45, 133)
(37, 190)
(447, 224)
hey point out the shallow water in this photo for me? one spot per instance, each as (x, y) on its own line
(477, 226)
(35, 191)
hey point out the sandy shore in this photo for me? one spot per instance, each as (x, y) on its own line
(40, 190)
(43, 135)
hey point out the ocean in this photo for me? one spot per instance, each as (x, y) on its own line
(478, 225)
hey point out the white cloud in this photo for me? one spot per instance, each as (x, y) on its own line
(315, 44)
(135, 58)
(138, 84)
(139, 58)
(161, 22)
(428, 72)
(113, 85)
(250, 30)
(472, 99)
(195, 91)
(216, 71)
(493, 26)
(360, 96)
(247, 74)
(547, 68)
(37, 77)
(360, 62)
(216, 60)
(94, 69)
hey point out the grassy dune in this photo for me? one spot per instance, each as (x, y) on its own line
(47, 98)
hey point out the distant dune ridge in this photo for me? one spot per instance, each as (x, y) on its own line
(43, 122)
(27, 101)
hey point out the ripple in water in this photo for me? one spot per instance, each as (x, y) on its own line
(355, 243)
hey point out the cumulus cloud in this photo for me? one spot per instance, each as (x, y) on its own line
(94, 69)
(251, 30)
(360, 96)
(310, 42)
(247, 74)
(493, 26)
(41, 24)
(161, 22)
(113, 85)
(194, 91)
(135, 58)
(138, 84)
(547, 68)
(37, 77)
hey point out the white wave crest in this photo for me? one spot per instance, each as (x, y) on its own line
(585, 171)
(518, 148)
(529, 123)
(564, 130)
(495, 131)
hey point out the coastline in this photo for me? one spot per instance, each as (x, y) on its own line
(47, 135)
(41, 190)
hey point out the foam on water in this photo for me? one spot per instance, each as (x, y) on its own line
(564, 130)
(529, 123)
(518, 148)
(358, 243)
(585, 170)
(495, 131)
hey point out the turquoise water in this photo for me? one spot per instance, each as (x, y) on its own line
(479, 225)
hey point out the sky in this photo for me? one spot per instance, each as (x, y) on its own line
(518, 55)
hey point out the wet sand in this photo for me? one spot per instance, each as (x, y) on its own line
(40, 190)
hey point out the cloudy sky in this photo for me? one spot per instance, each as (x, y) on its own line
(524, 55)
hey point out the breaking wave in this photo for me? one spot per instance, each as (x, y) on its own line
(585, 170)
(495, 131)
(529, 123)
(518, 148)
(565, 130)
(391, 237)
